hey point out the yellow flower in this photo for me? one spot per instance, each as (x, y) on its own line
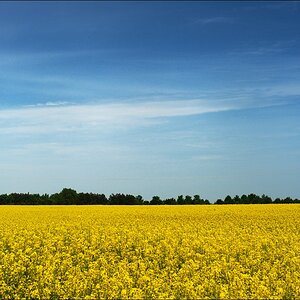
(136, 252)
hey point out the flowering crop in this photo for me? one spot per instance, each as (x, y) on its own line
(150, 252)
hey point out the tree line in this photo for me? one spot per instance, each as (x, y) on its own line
(255, 199)
(70, 197)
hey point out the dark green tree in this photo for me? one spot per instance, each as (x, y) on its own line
(156, 200)
(228, 200)
(68, 196)
(180, 200)
(188, 200)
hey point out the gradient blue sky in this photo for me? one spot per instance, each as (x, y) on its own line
(150, 98)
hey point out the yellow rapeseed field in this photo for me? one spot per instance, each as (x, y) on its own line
(152, 252)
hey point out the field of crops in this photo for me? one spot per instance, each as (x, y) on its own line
(150, 251)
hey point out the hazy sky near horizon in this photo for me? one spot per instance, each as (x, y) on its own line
(150, 98)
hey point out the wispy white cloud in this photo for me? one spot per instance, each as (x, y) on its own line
(266, 48)
(284, 90)
(40, 57)
(62, 116)
(50, 103)
(66, 118)
(37, 57)
(214, 20)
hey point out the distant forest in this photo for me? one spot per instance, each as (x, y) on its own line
(70, 197)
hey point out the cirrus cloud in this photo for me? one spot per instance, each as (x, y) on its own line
(62, 117)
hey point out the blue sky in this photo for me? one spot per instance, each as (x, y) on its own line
(150, 98)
